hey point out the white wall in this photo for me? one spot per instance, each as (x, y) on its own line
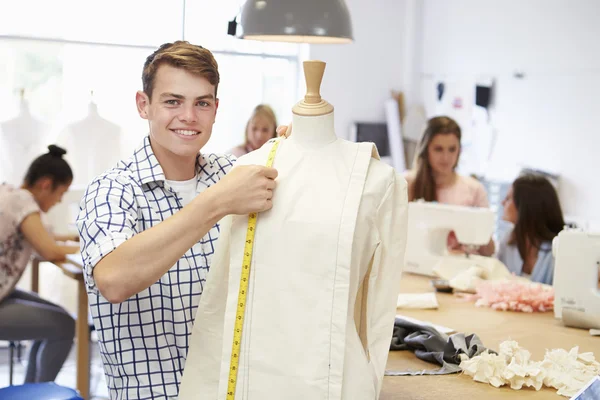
(547, 119)
(359, 77)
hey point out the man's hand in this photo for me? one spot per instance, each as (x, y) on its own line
(284, 131)
(246, 189)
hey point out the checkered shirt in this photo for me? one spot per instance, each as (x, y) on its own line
(144, 340)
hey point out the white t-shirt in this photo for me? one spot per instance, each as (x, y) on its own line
(185, 189)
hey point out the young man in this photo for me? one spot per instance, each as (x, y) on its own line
(148, 226)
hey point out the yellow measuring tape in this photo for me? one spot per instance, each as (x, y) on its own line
(243, 293)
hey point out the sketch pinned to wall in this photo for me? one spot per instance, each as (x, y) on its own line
(483, 94)
(467, 100)
(440, 90)
(486, 133)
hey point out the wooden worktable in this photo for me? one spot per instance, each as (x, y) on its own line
(535, 332)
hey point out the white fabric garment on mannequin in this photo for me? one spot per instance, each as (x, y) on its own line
(324, 278)
(22, 139)
(93, 145)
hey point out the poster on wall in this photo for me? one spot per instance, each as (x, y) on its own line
(456, 98)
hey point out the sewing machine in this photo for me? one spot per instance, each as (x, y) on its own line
(429, 225)
(576, 261)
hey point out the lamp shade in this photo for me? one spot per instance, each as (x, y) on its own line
(297, 21)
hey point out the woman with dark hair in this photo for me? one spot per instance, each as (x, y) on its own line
(532, 205)
(24, 315)
(434, 177)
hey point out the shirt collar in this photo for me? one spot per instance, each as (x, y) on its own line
(147, 167)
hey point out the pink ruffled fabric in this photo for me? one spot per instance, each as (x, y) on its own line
(514, 295)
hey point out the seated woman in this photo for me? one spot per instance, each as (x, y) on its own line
(259, 130)
(24, 315)
(435, 177)
(532, 205)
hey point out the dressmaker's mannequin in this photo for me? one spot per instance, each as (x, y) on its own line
(93, 145)
(22, 139)
(325, 272)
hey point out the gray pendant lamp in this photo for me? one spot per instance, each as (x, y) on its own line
(297, 21)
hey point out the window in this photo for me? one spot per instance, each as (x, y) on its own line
(58, 82)
(258, 72)
(65, 62)
(131, 22)
(256, 80)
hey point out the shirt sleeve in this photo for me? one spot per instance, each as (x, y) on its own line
(21, 205)
(509, 255)
(409, 176)
(501, 254)
(392, 221)
(236, 152)
(481, 198)
(544, 269)
(107, 218)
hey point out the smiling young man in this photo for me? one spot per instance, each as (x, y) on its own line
(148, 226)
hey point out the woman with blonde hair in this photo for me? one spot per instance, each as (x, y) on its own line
(260, 128)
(435, 178)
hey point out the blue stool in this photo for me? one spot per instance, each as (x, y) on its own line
(39, 391)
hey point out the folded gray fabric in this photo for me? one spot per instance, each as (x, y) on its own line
(432, 346)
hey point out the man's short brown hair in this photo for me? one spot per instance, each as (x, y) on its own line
(181, 54)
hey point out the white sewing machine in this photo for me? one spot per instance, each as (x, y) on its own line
(576, 261)
(429, 225)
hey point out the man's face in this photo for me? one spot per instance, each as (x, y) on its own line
(182, 111)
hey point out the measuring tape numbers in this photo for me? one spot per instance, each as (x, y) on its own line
(243, 292)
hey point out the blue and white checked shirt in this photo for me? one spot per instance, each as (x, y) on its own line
(144, 340)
